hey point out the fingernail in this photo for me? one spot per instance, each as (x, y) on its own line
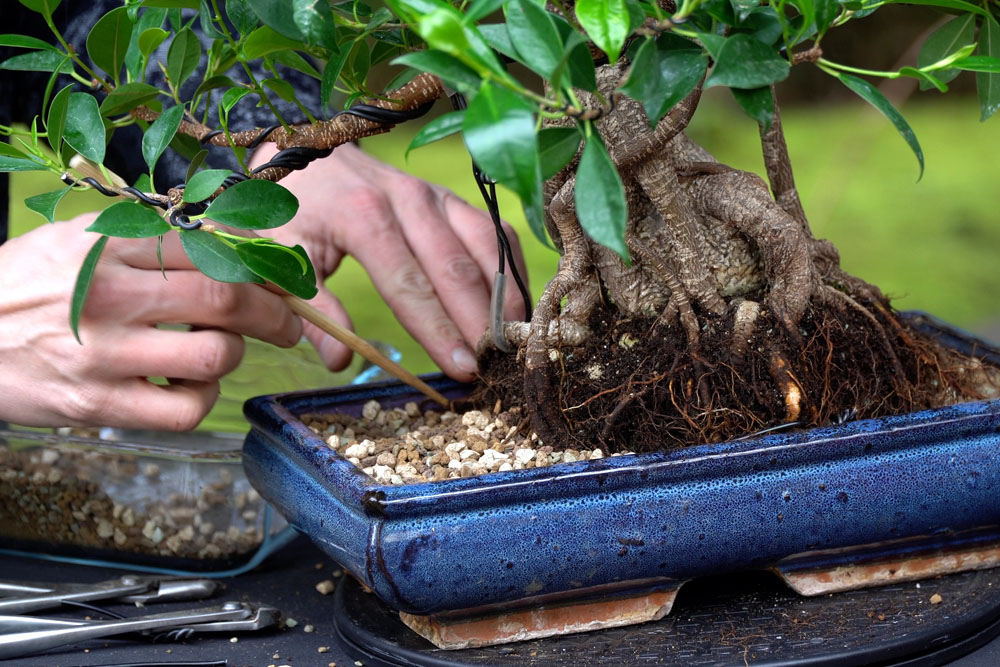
(464, 361)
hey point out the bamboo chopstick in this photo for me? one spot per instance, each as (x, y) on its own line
(311, 314)
(307, 312)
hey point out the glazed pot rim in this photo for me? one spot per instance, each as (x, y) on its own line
(888, 437)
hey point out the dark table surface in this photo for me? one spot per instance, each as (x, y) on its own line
(287, 580)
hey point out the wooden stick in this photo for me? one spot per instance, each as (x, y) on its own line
(311, 314)
(308, 312)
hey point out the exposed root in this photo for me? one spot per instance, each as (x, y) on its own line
(788, 385)
(637, 386)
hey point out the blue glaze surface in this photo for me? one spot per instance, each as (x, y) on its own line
(500, 537)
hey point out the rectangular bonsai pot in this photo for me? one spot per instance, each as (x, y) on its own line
(908, 483)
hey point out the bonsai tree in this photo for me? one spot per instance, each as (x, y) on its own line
(692, 302)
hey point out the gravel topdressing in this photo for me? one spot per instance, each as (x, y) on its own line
(407, 446)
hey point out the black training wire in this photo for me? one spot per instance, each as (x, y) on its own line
(458, 102)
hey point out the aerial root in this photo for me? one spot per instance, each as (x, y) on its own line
(789, 386)
(744, 322)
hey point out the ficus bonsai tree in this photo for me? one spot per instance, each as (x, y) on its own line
(692, 302)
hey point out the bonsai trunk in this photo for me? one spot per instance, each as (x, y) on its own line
(730, 317)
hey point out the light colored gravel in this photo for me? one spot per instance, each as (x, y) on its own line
(407, 446)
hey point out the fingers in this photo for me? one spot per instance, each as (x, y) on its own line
(121, 293)
(203, 356)
(476, 230)
(458, 278)
(335, 354)
(381, 246)
(138, 403)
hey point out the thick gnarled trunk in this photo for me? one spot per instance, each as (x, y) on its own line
(731, 317)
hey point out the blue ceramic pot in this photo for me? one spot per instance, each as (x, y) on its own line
(629, 521)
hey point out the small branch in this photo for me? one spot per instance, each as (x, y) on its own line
(339, 130)
(808, 56)
(779, 168)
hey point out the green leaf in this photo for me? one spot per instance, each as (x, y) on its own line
(8, 163)
(45, 204)
(947, 39)
(275, 14)
(281, 88)
(806, 19)
(55, 123)
(183, 57)
(281, 266)
(827, 12)
(150, 39)
(480, 9)
(45, 7)
(253, 204)
(314, 20)
(744, 62)
(959, 5)
(195, 164)
(758, 103)
(130, 221)
(606, 22)
(439, 128)
(12, 151)
(498, 38)
(871, 94)
(577, 62)
(331, 72)
(135, 57)
(293, 60)
(85, 127)
(534, 35)
(231, 97)
(926, 78)
(39, 61)
(265, 40)
(765, 24)
(203, 184)
(214, 257)
(108, 41)
(172, 4)
(712, 43)
(26, 42)
(978, 64)
(241, 16)
(663, 73)
(127, 97)
(443, 29)
(556, 147)
(205, 22)
(499, 131)
(160, 133)
(82, 286)
(600, 198)
(988, 84)
(361, 60)
(451, 70)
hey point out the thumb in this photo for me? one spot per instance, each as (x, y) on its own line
(335, 354)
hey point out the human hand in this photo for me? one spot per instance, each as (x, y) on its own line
(48, 379)
(431, 255)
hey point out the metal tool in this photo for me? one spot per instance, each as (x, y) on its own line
(20, 635)
(22, 597)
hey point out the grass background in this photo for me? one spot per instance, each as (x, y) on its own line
(932, 244)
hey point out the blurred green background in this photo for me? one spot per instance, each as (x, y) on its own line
(931, 244)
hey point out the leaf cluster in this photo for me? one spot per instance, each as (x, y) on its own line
(215, 55)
